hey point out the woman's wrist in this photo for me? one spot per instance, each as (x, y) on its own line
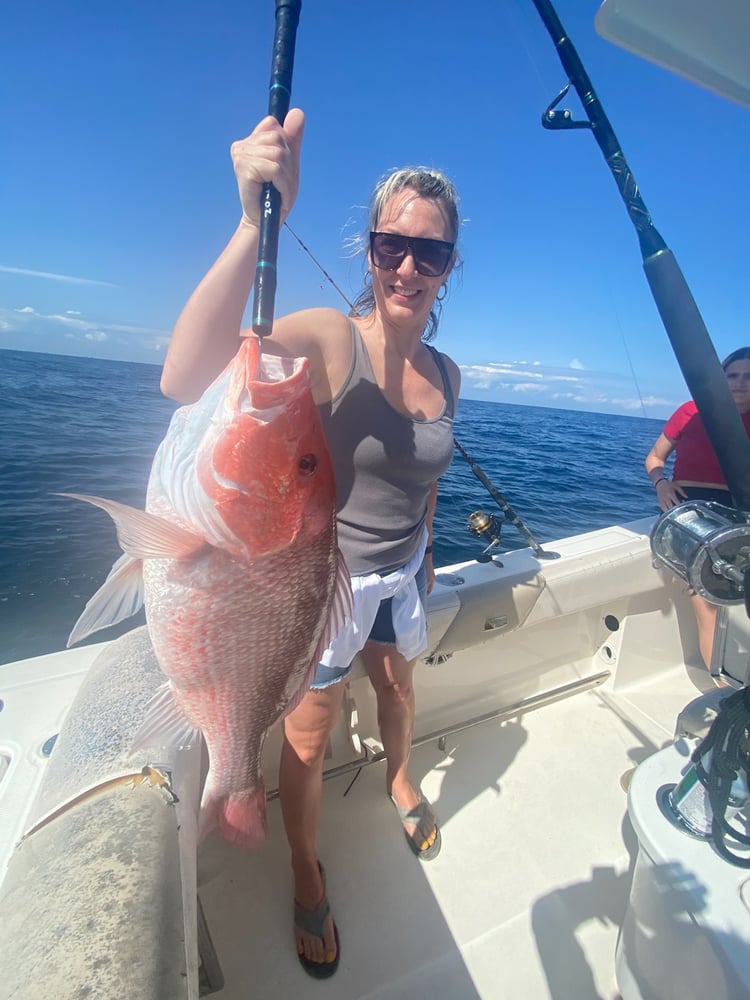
(428, 550)
(661, 479)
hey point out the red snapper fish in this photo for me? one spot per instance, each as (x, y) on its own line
(236, 561)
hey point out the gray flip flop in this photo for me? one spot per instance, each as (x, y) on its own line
(420, 814)
(311, 921)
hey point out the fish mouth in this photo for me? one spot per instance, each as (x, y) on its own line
(268, 382)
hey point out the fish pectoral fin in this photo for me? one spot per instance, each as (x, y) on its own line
(341, 612)
(143, 535)
(341, 605)
(119, 597)
(165, 725)
(342, 609)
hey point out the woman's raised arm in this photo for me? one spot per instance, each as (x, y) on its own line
(206, 335)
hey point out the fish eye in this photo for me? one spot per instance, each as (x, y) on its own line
(307, 465)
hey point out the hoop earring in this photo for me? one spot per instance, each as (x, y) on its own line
(368, 279)
(444, 290)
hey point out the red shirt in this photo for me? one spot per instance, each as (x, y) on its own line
(695, 460)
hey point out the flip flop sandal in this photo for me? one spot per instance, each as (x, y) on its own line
(419, 815)
(312, 921)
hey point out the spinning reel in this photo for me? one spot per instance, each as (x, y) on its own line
(487, 527)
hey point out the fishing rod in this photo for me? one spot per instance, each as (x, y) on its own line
(481, 523)
(279, 95)
(685, 328)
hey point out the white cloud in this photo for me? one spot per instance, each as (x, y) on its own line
(572, 386)
(529, 387)
(509, 373)
(51, 276)
(28, 329)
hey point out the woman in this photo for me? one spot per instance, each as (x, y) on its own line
(697, 474)
(387, 400)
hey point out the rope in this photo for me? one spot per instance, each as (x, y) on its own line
(728, 742)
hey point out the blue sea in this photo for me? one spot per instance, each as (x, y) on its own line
(83, 425)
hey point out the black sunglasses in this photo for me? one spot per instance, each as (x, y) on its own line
(431, 257)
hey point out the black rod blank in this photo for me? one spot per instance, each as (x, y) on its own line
(279, 95)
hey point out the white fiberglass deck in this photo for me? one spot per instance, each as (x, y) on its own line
(526, 896)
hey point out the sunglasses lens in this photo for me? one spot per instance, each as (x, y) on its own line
(388, 250)
(431, 257)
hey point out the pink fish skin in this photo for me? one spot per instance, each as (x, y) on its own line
(243, 583)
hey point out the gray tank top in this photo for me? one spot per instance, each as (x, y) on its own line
(384, 463)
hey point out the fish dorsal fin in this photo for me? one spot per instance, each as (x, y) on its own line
(164, 725)
(119, 597)
(143, 535)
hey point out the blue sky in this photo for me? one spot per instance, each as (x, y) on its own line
(116, 187)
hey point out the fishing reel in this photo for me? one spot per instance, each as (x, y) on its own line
(707, 545)
(487, 527)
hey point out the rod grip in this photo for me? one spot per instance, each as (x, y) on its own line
(279, 96)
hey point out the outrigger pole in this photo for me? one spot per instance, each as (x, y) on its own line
(685, 328)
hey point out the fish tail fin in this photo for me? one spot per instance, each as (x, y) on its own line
(240, 816)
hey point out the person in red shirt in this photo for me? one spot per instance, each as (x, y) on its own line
(697, 474)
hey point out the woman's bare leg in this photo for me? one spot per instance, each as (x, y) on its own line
(391, 676)
(306, 732)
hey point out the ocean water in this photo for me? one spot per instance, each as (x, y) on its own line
(82, 425)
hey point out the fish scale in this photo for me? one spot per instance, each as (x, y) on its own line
(251, 658)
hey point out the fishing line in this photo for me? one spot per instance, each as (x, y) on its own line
(630, 363)
(613, 307)
(523, 33)
(315, 260)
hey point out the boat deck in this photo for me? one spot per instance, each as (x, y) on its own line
(526, 896)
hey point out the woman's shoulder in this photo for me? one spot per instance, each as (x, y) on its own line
(319, 319)
(308, 331)
(680, 418)
(686, 410)
(452, 370)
